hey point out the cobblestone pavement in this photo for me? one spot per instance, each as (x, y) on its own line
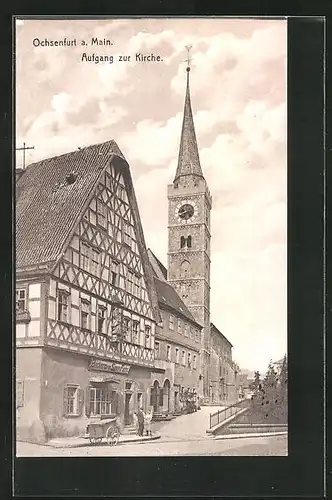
(184, 435)
(267, 446)
(187, 427)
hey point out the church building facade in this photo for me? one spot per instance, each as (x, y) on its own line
(189, 250)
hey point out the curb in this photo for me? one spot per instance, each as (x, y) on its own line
(103, 443)
(252, 434)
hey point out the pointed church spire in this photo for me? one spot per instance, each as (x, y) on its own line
(188, 162)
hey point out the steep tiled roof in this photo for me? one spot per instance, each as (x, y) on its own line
(47, 206)
(213, 327)
(167, 296)
(159, 270)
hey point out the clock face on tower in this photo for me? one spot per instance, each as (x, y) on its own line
(186, 211)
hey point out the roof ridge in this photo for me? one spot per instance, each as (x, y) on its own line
(75, 151)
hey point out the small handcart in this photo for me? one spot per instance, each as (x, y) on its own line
(104, 428)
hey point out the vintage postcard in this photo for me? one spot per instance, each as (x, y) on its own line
(151, 225)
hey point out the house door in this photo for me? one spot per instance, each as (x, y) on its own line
(127, 416)
(166, 395)
(155, 396)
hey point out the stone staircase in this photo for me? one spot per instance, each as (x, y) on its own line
(158, 417)
(129, 430)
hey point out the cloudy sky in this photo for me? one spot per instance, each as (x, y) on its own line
(238, 91)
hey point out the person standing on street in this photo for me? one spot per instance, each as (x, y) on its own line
(148, 421)
(135, 422)
(140, 417)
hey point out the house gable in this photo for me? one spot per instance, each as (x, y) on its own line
(106, 254)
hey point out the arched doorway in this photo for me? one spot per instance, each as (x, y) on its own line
(155, 396)
(166, 395)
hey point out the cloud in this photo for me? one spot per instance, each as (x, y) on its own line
(238, 93)
(153, 143)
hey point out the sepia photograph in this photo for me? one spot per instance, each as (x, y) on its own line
(150, 237)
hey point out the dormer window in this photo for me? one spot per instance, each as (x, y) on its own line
(71, 178)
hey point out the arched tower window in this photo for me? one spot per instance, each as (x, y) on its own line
(185, 269)
(185, 242)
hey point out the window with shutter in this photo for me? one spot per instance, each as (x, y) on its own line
(63, 303)
(114, 273)
(85, 314)
(72, 400)
(85, 257)
(135, 339)
(21, 299)
(147, 336)
(127, 329)
(80, 401)
(65, 399)
(101, 213)
(87, 402)
(101, 319)
(95, 259)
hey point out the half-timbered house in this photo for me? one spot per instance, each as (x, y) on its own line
(86, 302)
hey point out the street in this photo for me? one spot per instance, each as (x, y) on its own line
(184, 435)
(267, 446)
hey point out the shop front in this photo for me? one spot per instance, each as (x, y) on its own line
(76, 388)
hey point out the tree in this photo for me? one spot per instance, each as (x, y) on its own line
(273, 402)
(256, 384)
(283, 382)
(270, 379)
(283, 373)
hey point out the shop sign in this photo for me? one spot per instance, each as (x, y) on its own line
(108, 366)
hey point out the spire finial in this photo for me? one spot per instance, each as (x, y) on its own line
(189, 59)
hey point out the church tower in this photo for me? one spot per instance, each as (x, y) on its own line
(189, 208)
